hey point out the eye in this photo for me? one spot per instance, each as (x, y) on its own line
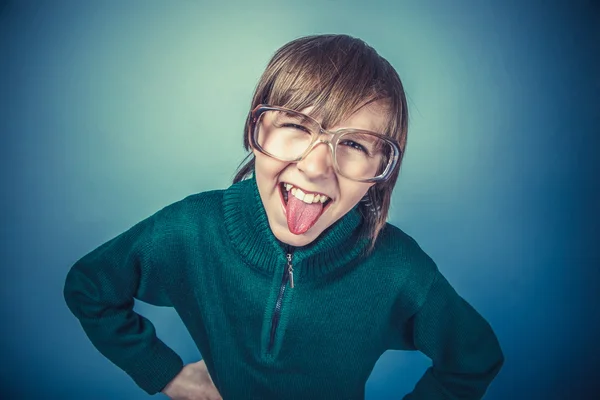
(354, 145)
(296, 126)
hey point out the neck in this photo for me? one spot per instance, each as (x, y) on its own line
(248, 228)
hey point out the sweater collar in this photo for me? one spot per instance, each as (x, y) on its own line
(248, 228)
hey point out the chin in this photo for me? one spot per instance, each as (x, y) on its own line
(283, 234)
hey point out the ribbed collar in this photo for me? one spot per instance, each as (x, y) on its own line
(248, 228)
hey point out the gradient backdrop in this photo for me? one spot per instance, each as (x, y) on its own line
(111, 110)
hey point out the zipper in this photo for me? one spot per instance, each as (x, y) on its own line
(290, 270)
(288, 275)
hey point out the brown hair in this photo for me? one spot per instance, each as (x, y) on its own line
(337, 75)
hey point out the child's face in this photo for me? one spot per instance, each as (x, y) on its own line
(315, 173)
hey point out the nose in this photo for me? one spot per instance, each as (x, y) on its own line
(318, 163)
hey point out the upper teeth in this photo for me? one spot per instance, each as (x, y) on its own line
(305, 197)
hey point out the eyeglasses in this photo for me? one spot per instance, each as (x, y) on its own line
(289, 135)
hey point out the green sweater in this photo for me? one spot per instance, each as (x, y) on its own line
(213, 257)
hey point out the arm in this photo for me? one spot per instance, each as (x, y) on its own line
(100, 290)
(464, 350)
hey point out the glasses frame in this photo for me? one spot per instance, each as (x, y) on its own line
(331, 143)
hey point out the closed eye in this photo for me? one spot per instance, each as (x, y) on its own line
(296, 126)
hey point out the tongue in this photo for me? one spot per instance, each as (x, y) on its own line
(300, 215)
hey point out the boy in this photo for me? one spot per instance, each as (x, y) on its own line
(291, 282)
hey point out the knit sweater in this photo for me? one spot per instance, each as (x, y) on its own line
(213, 257)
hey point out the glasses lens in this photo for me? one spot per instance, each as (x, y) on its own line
(361, 155)
(287, 135)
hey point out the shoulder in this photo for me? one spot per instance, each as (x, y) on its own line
(190, 213)
(394, 243)
(408, 268)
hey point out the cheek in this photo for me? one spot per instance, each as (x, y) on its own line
(268, 167)
(355, 191)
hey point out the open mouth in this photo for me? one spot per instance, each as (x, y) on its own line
(285, 196)
(302, 209)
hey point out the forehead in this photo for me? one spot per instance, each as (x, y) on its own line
(372, 117)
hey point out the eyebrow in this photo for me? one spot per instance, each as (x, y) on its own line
(301, 118)
(366, 137)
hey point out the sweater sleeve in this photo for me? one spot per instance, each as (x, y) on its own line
(465, 352)
(100, 289)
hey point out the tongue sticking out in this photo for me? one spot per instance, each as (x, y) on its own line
(300, 215)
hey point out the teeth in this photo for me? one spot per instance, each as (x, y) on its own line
(305, 197)
(299, 194)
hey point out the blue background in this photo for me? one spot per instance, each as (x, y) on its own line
(111, 110)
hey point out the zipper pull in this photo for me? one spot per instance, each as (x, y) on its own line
(290, 270)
